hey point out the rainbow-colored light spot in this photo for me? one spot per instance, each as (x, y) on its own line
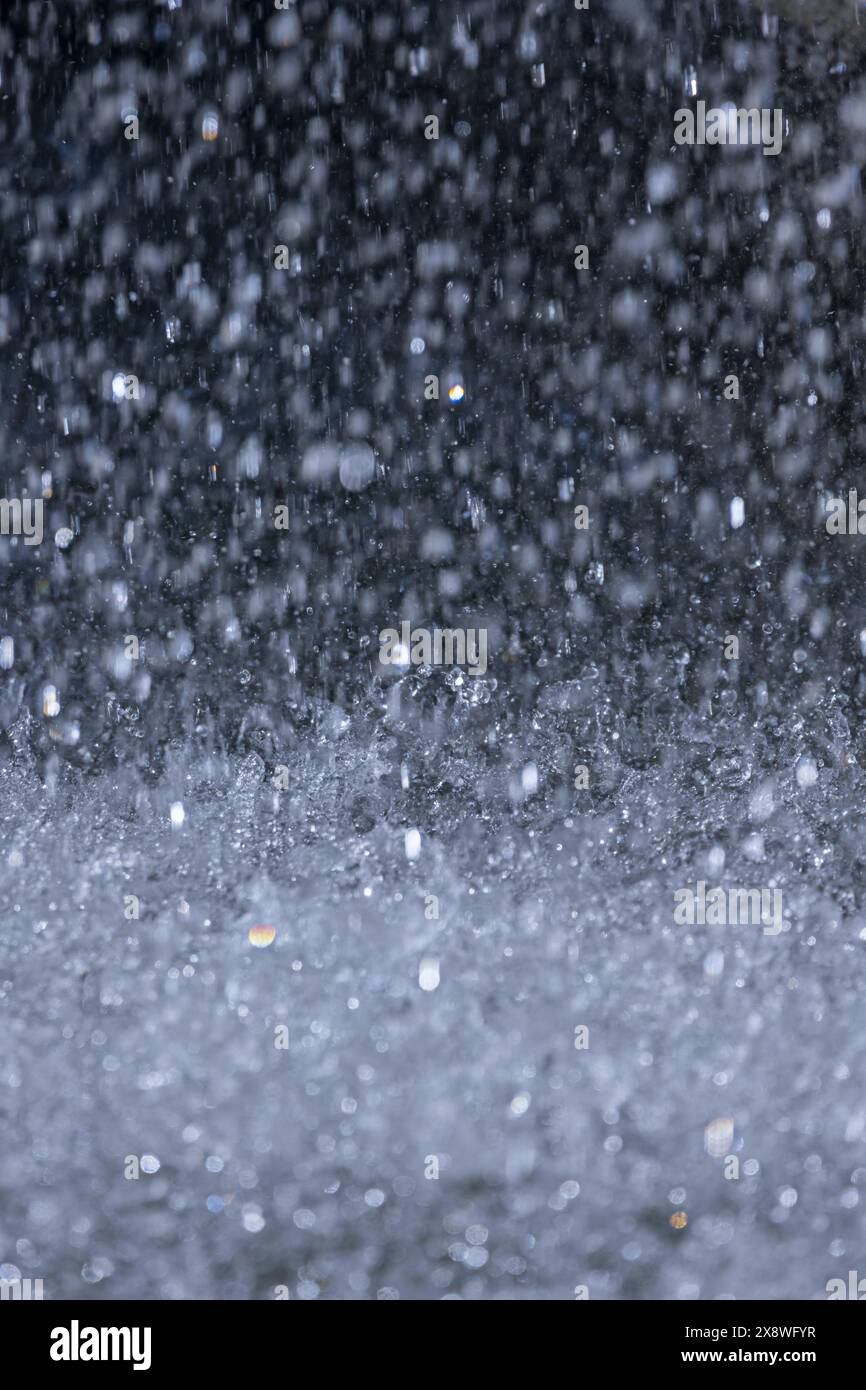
(262, 936)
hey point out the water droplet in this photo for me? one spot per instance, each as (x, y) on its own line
(262, 936)
(428, 973)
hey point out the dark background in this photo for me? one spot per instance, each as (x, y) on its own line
(606, 384)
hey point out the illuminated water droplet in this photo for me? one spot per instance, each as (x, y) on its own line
(68, 732)
(210, 126)
(178, 814)
(807, 772)
(719, 1136)
(428, 973)
(679, 1220)
(262, 935)
(50, 702)
(456, 393)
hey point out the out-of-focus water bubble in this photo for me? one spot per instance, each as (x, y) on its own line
(357, 466)
(662, 183)
(716, 859)
(262, 936)
(807, 772)
(428, 974)
(66, 731)
(762, 802)
(50, 702)
(719, 1136)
